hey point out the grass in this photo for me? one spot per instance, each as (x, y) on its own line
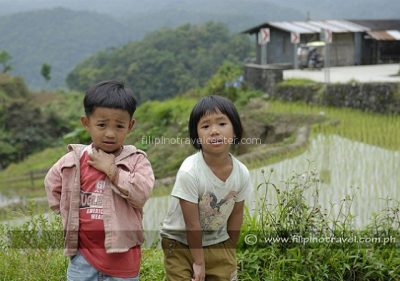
(18, 210)
(372, 128)
(283, 220)
(33, 250)
(15, 179)
(51, 265)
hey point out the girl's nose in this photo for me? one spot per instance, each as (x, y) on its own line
(214, 130)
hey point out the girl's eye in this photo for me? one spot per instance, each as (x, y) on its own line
(204, 126)
(222, 124)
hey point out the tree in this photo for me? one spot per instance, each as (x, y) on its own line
(4, 59)
(165, 63)
(26, 128)
(45, 71)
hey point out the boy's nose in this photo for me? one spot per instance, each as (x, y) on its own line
(110, 134)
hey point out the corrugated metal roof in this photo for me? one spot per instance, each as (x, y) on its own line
(394, 33)
(338, 26)
(385, 35)
(388, 24)
(347, 26)
(326, 25)
(290, 26)
(303, 27)
(377, 29)
(307, 25)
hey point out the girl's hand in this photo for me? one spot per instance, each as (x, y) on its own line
(199, 272)
(101, 160)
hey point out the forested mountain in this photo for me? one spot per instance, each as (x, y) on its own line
(62, 37)
(170, 12)
(165, 63)
(236, 14)
(123, 9)
(58, 37)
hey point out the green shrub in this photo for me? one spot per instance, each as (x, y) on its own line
(288, 238)
(13, 87)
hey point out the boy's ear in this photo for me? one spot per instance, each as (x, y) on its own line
(131, 124)
(85, 121)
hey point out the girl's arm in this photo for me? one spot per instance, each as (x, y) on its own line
(194, 237)
(235, 221)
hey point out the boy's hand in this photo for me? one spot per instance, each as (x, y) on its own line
(199, 272)
(101, 160)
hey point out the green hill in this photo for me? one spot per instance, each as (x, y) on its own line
(165, 63)
(236, 14)
(58, 37)
(62, 37)
(150, 15)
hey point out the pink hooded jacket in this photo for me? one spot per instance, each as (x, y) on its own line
(122, 214)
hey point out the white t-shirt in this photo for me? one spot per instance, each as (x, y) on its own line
(196, 183)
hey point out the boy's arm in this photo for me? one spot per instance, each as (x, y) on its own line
(52, 183)
(135, 186)
(235, 221)
(191, 217)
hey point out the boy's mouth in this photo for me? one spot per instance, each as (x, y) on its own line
(108, 142)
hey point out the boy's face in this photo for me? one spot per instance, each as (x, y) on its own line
(108, 128)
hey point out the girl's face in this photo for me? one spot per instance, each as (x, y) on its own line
(108, 128)
(215, 132)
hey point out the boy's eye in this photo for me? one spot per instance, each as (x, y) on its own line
(120, 126)
(101, 125)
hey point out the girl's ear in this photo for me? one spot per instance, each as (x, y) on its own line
(85, 121)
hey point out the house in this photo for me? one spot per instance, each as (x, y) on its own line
(351, 42)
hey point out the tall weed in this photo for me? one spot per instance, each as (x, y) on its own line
(288, 236)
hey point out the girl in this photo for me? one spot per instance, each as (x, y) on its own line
(199, 235)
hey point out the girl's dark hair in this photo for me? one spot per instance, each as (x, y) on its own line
(110, 94)
(213, 104)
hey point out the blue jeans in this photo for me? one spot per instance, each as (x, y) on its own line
(80, 270)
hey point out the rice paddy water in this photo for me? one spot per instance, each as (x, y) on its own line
(365, 173)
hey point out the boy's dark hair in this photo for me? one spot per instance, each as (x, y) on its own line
(213, 104)
(111, 94)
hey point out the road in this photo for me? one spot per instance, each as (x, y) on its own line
(365, 73)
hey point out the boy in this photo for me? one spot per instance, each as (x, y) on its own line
(100, 190)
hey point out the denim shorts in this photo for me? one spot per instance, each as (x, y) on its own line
(80, 270)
